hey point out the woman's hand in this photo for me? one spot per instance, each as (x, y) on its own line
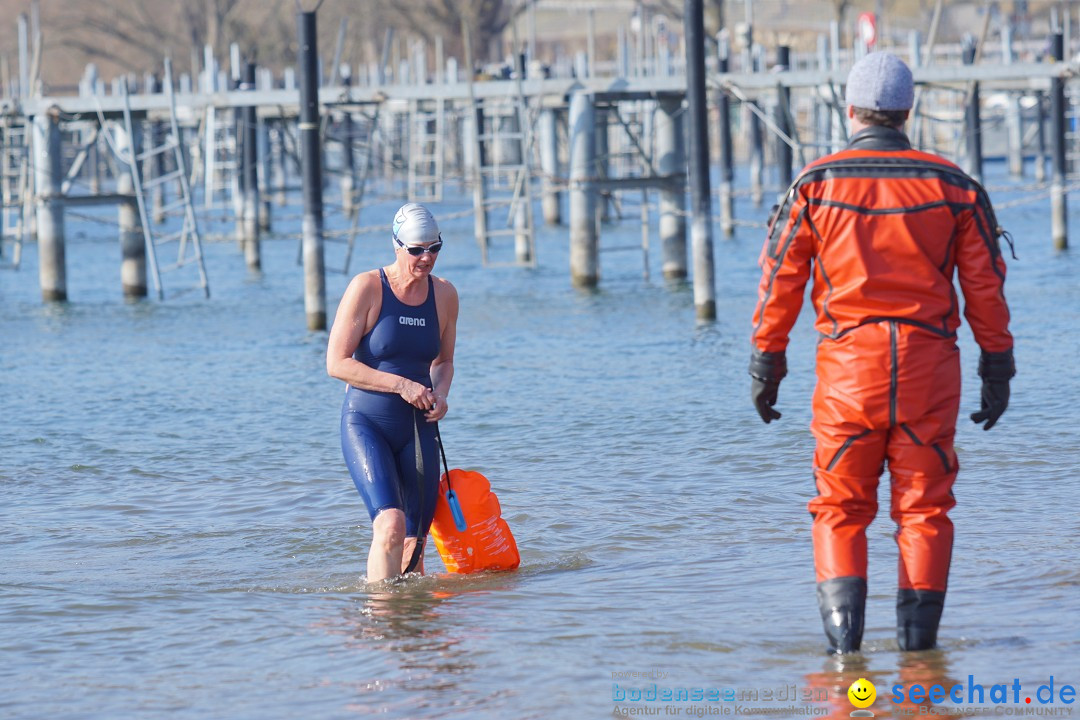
(438, 411)
(415, 394)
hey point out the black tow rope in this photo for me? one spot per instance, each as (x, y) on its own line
(421, 537)
(419, 549)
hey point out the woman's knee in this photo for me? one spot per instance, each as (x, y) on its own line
(388, 528)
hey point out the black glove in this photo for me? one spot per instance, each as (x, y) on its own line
(995, 369)
(767, 370)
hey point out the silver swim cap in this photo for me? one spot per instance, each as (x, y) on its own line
(414, 224)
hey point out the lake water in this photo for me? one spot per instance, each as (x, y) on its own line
(181, 537)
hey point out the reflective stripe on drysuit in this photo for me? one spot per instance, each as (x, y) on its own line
(883, 229)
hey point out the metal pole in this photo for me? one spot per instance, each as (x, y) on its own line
(839, 124)
(590, 44)
(531, 24)
(266, 172)
(671, 161)
(973, 134)
(915, 51)
(757, 148)
(727, 154)
(348, 178)
(1014, 121)
(700, 191)
(1059, 229)
(236, 181)
(602, 168)
(584, 255)
(822, 110)
(480, 178)
(1040, 157)
(252, 251)
(314, 259)
(132, 242)
(157, 163)
(549, 166)
(48, 177)
(24, 57)
(782, 114)
(281, 168)
(622, 55)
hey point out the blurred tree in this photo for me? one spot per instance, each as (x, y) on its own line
(433, 18)
(136, 35)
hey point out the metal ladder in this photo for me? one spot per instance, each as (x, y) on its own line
(221, 176)
(189, 245)
(426, 175)
(517, 176)
(366, 146)
(14, 186)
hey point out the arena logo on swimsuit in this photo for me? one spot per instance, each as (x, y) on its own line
(403, 320)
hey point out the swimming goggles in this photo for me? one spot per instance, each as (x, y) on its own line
(418, 250)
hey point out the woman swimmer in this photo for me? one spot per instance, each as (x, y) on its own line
(393, 344)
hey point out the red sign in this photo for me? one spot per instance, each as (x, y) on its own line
(867, 25)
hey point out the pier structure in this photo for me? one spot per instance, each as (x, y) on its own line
(580, 145)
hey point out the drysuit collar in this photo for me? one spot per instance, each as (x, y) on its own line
(879, 137)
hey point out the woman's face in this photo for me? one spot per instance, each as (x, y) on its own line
(418, 259)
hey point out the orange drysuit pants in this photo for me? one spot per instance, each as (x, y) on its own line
(887, 393)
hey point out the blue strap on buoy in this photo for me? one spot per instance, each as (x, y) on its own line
(451, 496)
(455, 510)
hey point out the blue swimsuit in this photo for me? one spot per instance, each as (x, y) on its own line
(379, 430)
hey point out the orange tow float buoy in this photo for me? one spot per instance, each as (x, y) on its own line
(468, 527)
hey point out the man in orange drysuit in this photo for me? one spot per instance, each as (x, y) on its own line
(883, 228)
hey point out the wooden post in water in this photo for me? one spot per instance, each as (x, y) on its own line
(549, 166)
(973, 130)
(1059, 227)
(700, 190)
(671, 161)
(784, 156)
(584, 253)
(727, 154)
(48, 176)
(314, 257)
(250, 184)
(132, 242)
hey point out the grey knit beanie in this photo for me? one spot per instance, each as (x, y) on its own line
(880, 81)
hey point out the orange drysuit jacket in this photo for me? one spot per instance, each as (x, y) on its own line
(885, 227)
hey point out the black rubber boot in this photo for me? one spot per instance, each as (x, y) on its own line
(842, 602)
(918, 613)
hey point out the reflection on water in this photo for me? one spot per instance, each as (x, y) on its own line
(422, 637)
(836, 676)
(923, 669)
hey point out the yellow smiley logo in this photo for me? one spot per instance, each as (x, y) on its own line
(862, 693)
